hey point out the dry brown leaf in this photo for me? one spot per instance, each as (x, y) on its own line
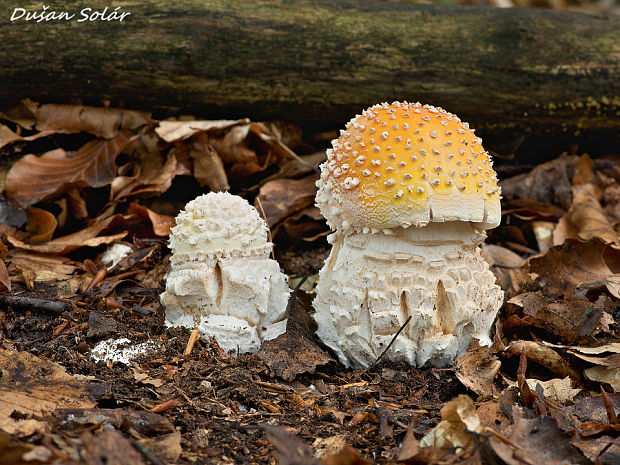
(611, 348)
(611, 199)
(249, 149)
(544, 355)
(32, 179)
(283, 197)
(329, 446)
(152, 178)
(584, 171)
(564, 229)
(144, 423)
(410, 446)
(34, 386)
(457, 416)
(306, 225)
(610, 361)
(42, 263)
(585, 219)
(591, 408)
(559, 389)
(78, 204)
(505, 265)
(48, 269)
(530, 209)
(273, 139)
(345, 456)
(110, 448)
(7, 136)
(24, 428)
(295, 352)
(161, 223)
(167, 447)
(297, 167)
(604, 449)
(87, 237)
(589, 353)
(529, 300)
(233, 146)
(176, 131)
(144, 378)
(530, 443)
(20, 115)
(496, 255)
(149, 171)
(5, 280)
(569, 320)
(564, 267)
(63, 215)
(601, 374)
(291, 449)
(543, 231)
(477, 369)
(71, 119)
(6, 230)
(41, 225)
(549, 183)
(15, 452)
(208, 166)
(613, 285)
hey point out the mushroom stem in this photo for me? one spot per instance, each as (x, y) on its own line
(435, 274)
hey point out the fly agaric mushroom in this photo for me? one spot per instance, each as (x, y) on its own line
(222, 280)
(409, 190)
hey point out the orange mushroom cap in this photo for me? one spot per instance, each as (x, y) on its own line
(407, 165)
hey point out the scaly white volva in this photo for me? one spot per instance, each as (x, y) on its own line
(222, 280)
(409, 191)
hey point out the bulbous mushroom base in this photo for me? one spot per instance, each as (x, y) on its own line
(240, 301)
(371, 284)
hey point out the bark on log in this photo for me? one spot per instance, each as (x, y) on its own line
(323, 61)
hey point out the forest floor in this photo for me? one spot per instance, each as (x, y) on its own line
(544, 392)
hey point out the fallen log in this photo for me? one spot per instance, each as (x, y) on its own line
(321, 62)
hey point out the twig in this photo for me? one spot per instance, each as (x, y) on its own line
(170, 403)
(191, 342)
(294, 293)
(30, 303)
(262, 211)
(59, 329)
(391, 342)
(124, 275)
(96, 279)
(612, 418)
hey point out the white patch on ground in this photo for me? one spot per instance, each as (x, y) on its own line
(120, 350)
(115, 254)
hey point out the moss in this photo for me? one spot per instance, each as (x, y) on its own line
(323, 56)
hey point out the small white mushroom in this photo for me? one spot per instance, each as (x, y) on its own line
(222, 280)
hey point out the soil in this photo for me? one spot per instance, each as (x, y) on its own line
(219, 398)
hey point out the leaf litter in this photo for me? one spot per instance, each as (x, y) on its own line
(547, 380)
